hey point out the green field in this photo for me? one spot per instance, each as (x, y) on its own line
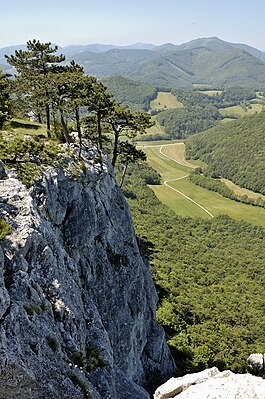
(165, 100)
(242, 191)
(238, 111)
(178, 168)
(177, 152)
(156, 130)
(20, 127)
(211, 92)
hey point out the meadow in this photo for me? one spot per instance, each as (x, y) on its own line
(186, 198)
(165, 100)
(239, 111)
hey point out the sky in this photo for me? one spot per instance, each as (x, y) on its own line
(124, 22)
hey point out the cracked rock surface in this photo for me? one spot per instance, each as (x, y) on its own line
(77, 301)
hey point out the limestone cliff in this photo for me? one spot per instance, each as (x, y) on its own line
(77, 302)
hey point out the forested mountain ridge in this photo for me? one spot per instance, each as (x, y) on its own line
(181, 68)
(207, 61)
(216, 44)
(235, 151)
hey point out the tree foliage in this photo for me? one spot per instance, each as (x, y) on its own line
(34, 67)
(28, 156)
(5, 110)
(129, 154)
(129, 92)
(63, 93)
(209, 276)
(235, 151)
(180, 123)
(201, 111)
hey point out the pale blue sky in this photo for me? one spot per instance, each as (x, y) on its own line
(126, 22)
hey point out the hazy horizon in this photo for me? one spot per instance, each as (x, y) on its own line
(125, 23)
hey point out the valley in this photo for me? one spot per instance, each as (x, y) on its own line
(187, 153)
(184, 197)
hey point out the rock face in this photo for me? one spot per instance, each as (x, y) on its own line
(213, 384)
(256, 364)
(77, 302)
(2, 170)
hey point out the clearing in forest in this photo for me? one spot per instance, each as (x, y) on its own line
(186, 198)
(242, 191)
(165, 100)
(239, 111)
(211, 93)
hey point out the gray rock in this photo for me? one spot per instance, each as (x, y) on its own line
(212, 384)
(175, 386)
(2, 170)
(255, 364)
(77, 309)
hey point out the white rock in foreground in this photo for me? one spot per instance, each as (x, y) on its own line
(213, 384)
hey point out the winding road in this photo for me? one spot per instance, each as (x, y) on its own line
(183, 163)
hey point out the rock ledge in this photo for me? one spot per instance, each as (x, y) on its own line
(213, 384)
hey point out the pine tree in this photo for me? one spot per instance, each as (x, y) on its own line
(4, 98)
(127, 123)
(129, 154)
(34, 67)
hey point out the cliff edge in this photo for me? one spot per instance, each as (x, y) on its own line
(77, 301)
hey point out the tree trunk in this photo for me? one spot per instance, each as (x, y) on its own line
(67, 137)
(115, 146)
(99, 131)
(48, 120)
(77, 117)
(123, 174)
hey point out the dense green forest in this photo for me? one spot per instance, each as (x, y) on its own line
(180, 123)
(235, 151)
(226, 98)
(209, 275)
(201, 111)
(129, 92)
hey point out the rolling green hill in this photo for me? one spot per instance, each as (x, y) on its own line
(205, 61)
(235, 151)
(184, 68)
(208, 61)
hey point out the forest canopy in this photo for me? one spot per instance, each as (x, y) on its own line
(209, 276)
(235, 151)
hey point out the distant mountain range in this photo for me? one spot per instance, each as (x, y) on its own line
(207, 61)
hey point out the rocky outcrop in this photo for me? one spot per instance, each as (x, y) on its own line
(213, 384)
(77, 302)
(256, 364)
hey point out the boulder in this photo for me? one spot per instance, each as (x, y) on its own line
(213, 384)
(255, 364)
(175, 386)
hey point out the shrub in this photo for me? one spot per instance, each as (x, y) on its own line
(5, 229)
